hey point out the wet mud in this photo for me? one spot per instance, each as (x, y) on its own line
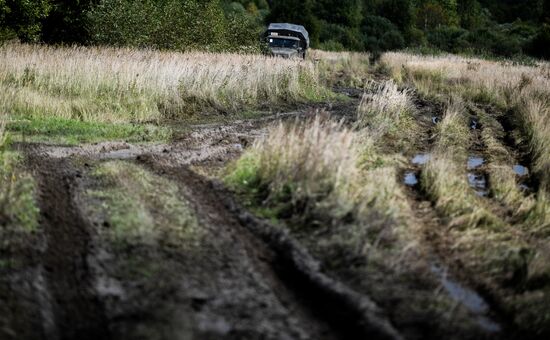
(243, 278)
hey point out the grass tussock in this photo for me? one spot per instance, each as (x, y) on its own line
(453, 132)
(446, 182)
(118, 85)
(386, 114)
(384, 101)
(511, 259)
(316, 168)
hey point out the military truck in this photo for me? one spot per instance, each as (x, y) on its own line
(287, 40)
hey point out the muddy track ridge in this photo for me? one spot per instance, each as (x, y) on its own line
(351, 314)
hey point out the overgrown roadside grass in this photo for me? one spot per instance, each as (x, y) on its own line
(320, 171)
(521, 90)
(18, 207)
(112, 90)
(386, 113)
(142, 208)
(505, 258)
(69, 131)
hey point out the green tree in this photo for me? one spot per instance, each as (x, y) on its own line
(341, 12)
(469, 13)
(431, 14)
(66, 22)
(545, 17)
(23, 17)
(399, 12)
(166, 24)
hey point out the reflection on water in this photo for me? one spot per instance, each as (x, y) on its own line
(475, 161)
(421, 158)
(478, 182)
(410, 178)
(520, 170)
(467, 297)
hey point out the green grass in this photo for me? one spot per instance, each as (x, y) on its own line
(142, 208)
(70, 131)
(18, 207)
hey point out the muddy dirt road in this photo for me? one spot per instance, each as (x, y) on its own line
(238, 279)
(221, 273)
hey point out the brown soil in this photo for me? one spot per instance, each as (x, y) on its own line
(245, 279)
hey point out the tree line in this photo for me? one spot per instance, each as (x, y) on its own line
(493, 27)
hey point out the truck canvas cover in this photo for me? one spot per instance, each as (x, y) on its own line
(290, 30)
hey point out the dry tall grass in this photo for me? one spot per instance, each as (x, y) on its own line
(524, 89)
(317, 165)
(384, 101)
(118, 84)
(507, 256)
(342, 68)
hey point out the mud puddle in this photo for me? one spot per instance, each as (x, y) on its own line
(410, 178)
(521, 170)
(421, 158)
(478, 182)
(473, 302)
(475, 162)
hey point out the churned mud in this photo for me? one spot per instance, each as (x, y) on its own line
(224, 273)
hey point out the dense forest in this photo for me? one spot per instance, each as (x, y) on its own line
(488, 27)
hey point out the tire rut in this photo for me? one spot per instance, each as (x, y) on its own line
(292, 271)
(78, 313)
(434, 229)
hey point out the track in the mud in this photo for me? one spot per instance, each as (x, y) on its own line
(282, 295)
(77, 311)
(253, 281)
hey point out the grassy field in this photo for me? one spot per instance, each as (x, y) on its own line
(419, 182)
(92, 94)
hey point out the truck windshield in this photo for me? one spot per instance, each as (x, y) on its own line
(284, 43)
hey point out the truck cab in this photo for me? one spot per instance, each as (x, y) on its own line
(287, 40)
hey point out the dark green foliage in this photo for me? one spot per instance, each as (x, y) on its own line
(539, 46)
(470, 13)
(340, 12)
(510, 10)
(348, 37)
(380, 34)
(66, 22)
(490, 27)
(545, 14)
(400, 12)
(170, 24)
(448, 38)
(22, 18)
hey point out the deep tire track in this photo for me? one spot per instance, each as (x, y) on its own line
(78, 312)
(350, 314)
(433, 225)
